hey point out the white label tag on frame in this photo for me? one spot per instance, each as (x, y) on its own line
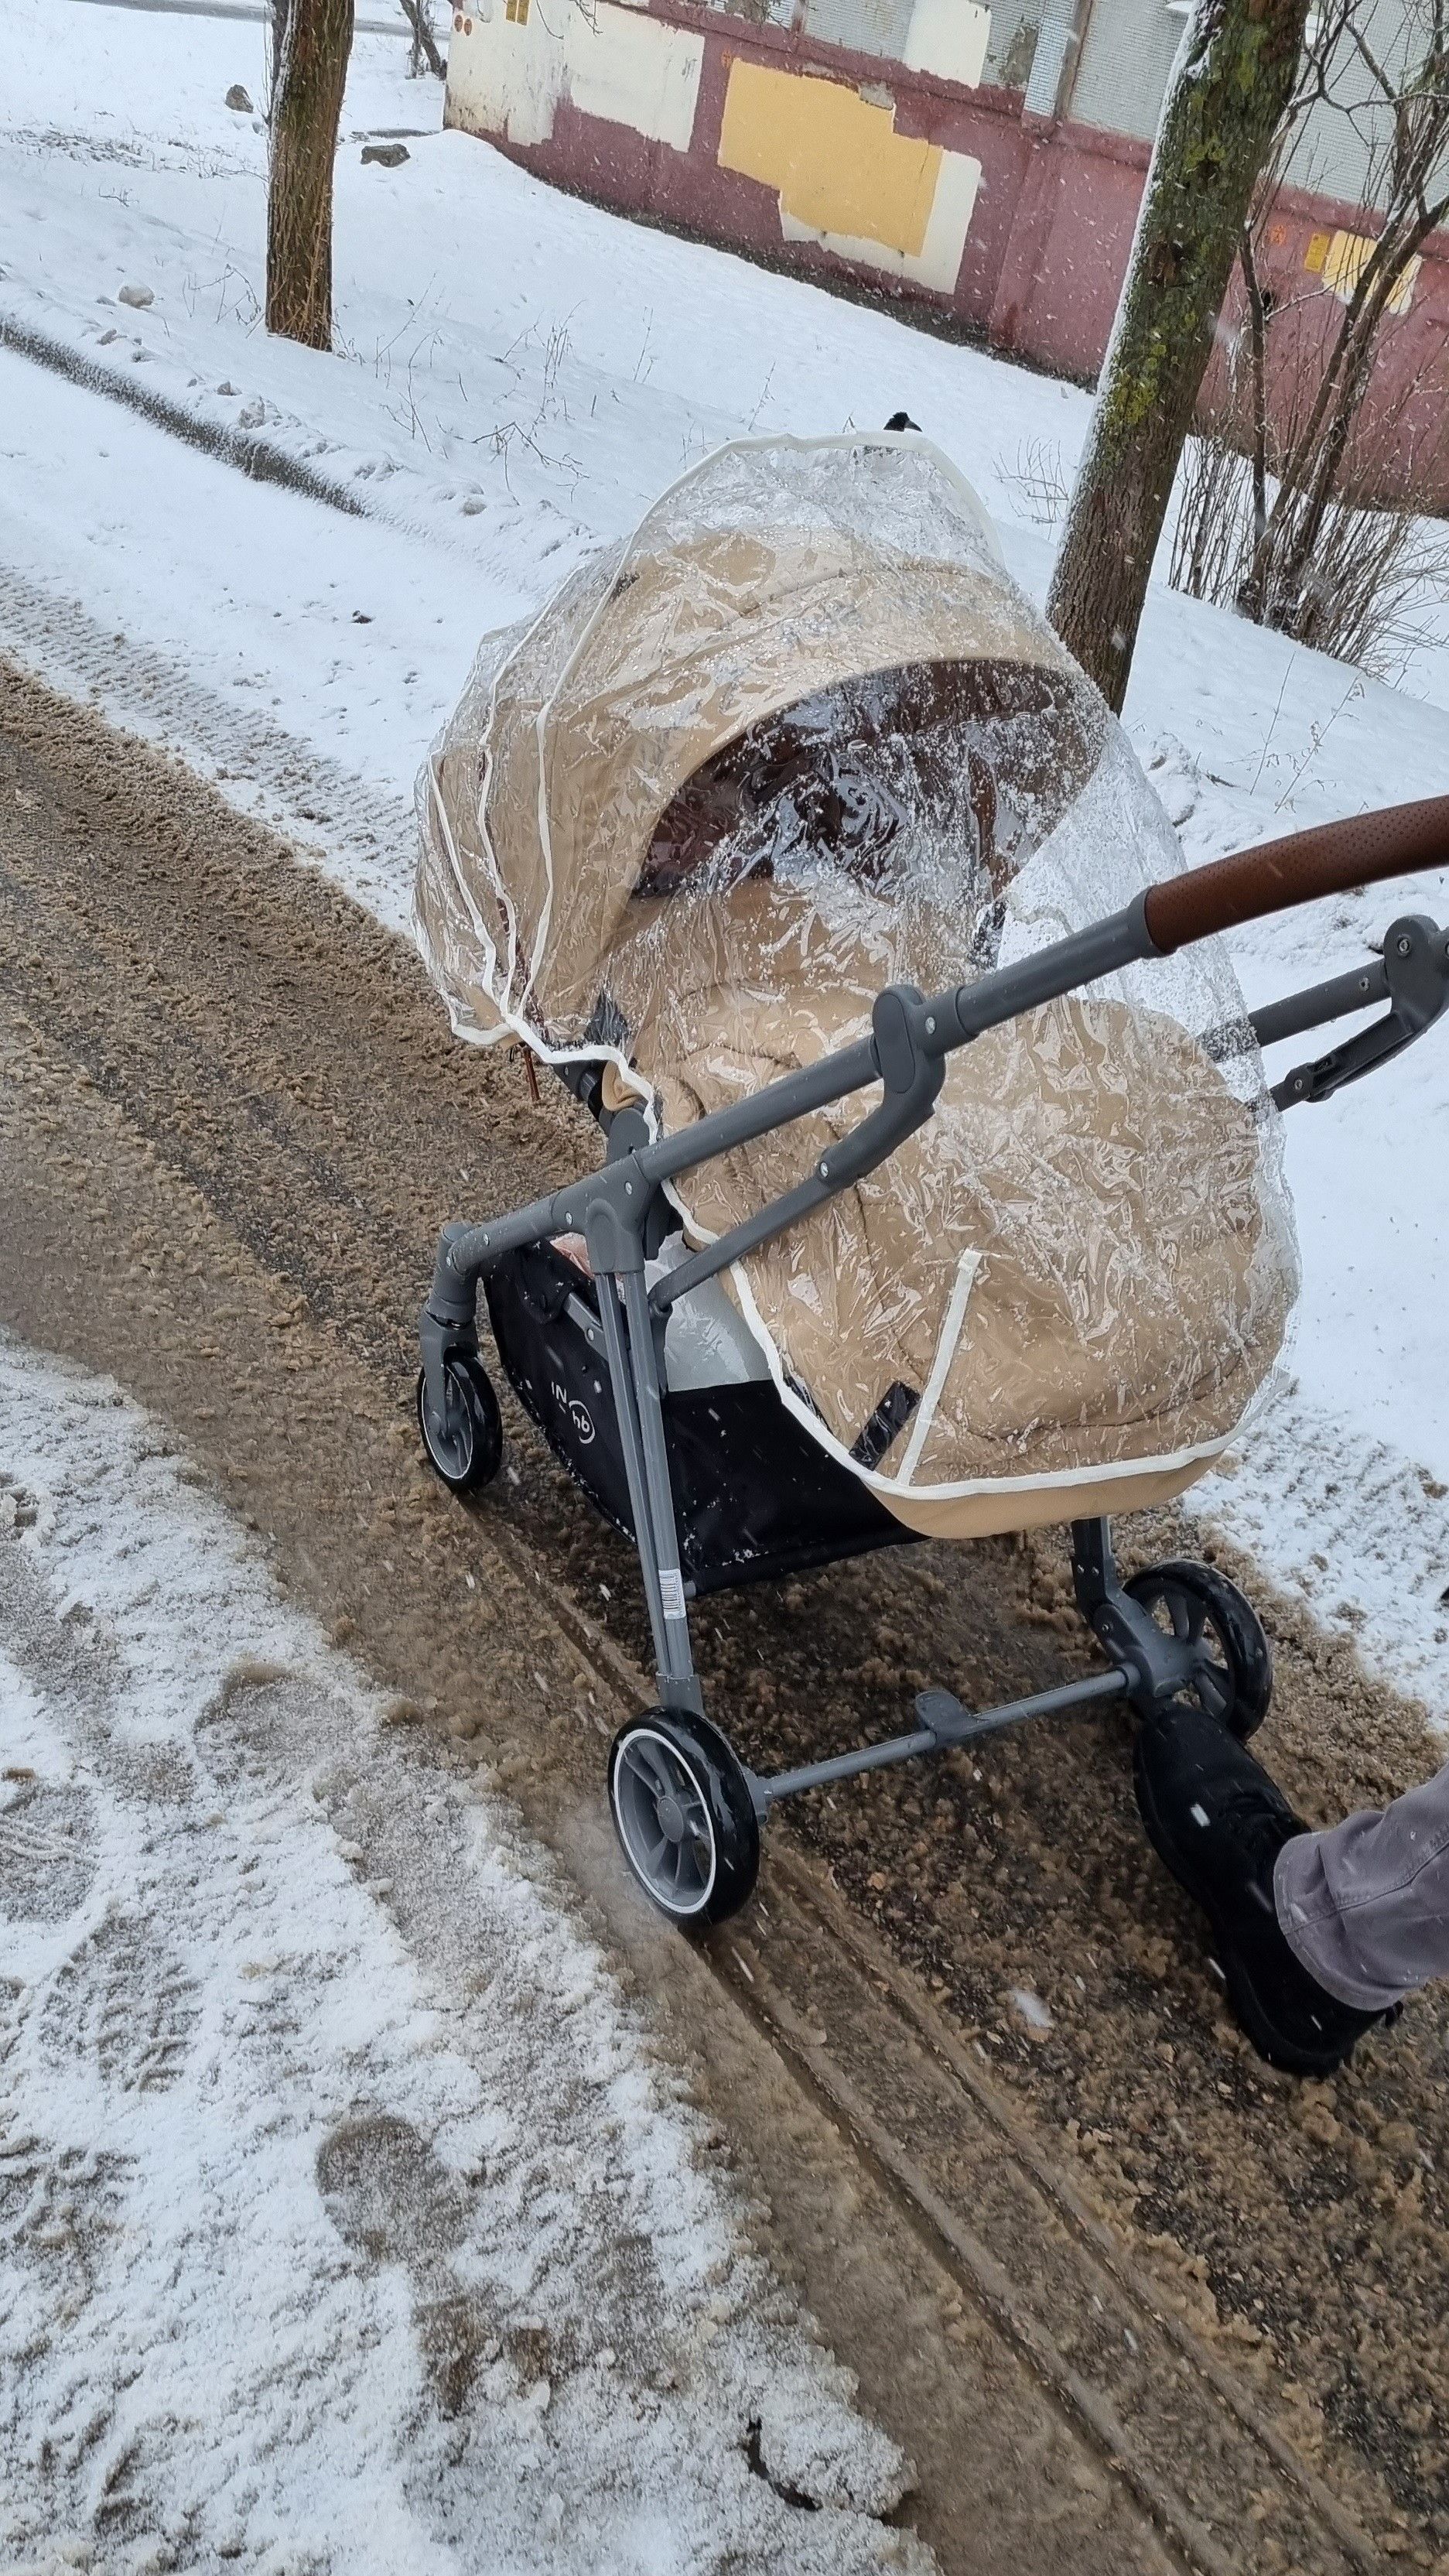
(671, 1586)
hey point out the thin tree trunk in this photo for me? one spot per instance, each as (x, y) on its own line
(425, 51)
(306, 108)
(1258, 341)
(1308, 475)
(1391, 252)
(1232, 82)
(1312, 498)
(1250, 592)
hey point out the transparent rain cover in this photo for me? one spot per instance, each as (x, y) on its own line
(799, 737)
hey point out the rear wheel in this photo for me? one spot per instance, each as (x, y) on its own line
(1232, 1661)
(464, 1442)
(684, 1817)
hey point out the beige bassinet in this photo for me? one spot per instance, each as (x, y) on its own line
(798, 737)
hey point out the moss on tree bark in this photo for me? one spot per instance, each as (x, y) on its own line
(1232, 81)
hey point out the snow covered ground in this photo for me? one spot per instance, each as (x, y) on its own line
(520, 373)
(345, 2224)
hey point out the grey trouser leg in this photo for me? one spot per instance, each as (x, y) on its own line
(1365, 1907)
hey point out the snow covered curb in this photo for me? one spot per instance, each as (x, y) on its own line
(258, 457)
(345, 2223)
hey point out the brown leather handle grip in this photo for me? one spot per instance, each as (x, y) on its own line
(1332, 859)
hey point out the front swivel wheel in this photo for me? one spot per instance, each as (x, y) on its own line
(684, 1817)
(464, 1441)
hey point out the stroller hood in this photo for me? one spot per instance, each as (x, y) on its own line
(798, 737)
(743, 592)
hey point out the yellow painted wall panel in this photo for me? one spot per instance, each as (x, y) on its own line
(838, 164)
(1344, 260)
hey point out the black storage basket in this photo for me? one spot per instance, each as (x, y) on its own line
(754, 1495)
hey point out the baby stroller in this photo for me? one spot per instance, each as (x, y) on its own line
(941, 1186)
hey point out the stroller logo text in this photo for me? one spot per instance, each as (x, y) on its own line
(578, 1414)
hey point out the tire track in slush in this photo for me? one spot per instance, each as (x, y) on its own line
(260, 1058)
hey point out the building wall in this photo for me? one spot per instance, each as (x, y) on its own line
(944, 36)
(1125, 56)
(937, 184)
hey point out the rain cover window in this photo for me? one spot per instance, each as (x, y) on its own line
(799, 737)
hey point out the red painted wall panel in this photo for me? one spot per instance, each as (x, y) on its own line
(1049, 235)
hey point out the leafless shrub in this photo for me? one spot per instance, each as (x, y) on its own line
(1374, 576)
(1284, 509)
(1040, 479)
(1213, 536)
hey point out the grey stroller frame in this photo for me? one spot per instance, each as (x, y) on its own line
(687, 1811)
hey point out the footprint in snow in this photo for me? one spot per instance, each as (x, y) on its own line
(127, 2003)
(47, 1859)
(393, 2201)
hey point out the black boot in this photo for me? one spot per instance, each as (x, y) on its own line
(1218, 1823)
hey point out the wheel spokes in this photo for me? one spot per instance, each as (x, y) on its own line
(1213, 1675)
(452, 1429)
(674, 1860)
(696, 1819)
(690, 1873)
(644, 1761)
(1221, 1659)
(1179, 1614)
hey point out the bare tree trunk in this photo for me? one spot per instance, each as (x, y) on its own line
(1258, 343)
(423, 50)
(311, 74)
(1232, 81)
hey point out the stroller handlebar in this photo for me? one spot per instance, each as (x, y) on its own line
(911, 1034)
(1333, 858)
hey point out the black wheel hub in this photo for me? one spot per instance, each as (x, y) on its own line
(1226, 1660)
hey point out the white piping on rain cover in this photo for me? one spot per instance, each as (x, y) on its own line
(946, 1341)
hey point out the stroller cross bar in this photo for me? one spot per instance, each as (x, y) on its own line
(911, 1038)
(944, 1723)
(1319, 1003)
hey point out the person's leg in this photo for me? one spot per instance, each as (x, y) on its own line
(1221, 1826)
(1365, 1906)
